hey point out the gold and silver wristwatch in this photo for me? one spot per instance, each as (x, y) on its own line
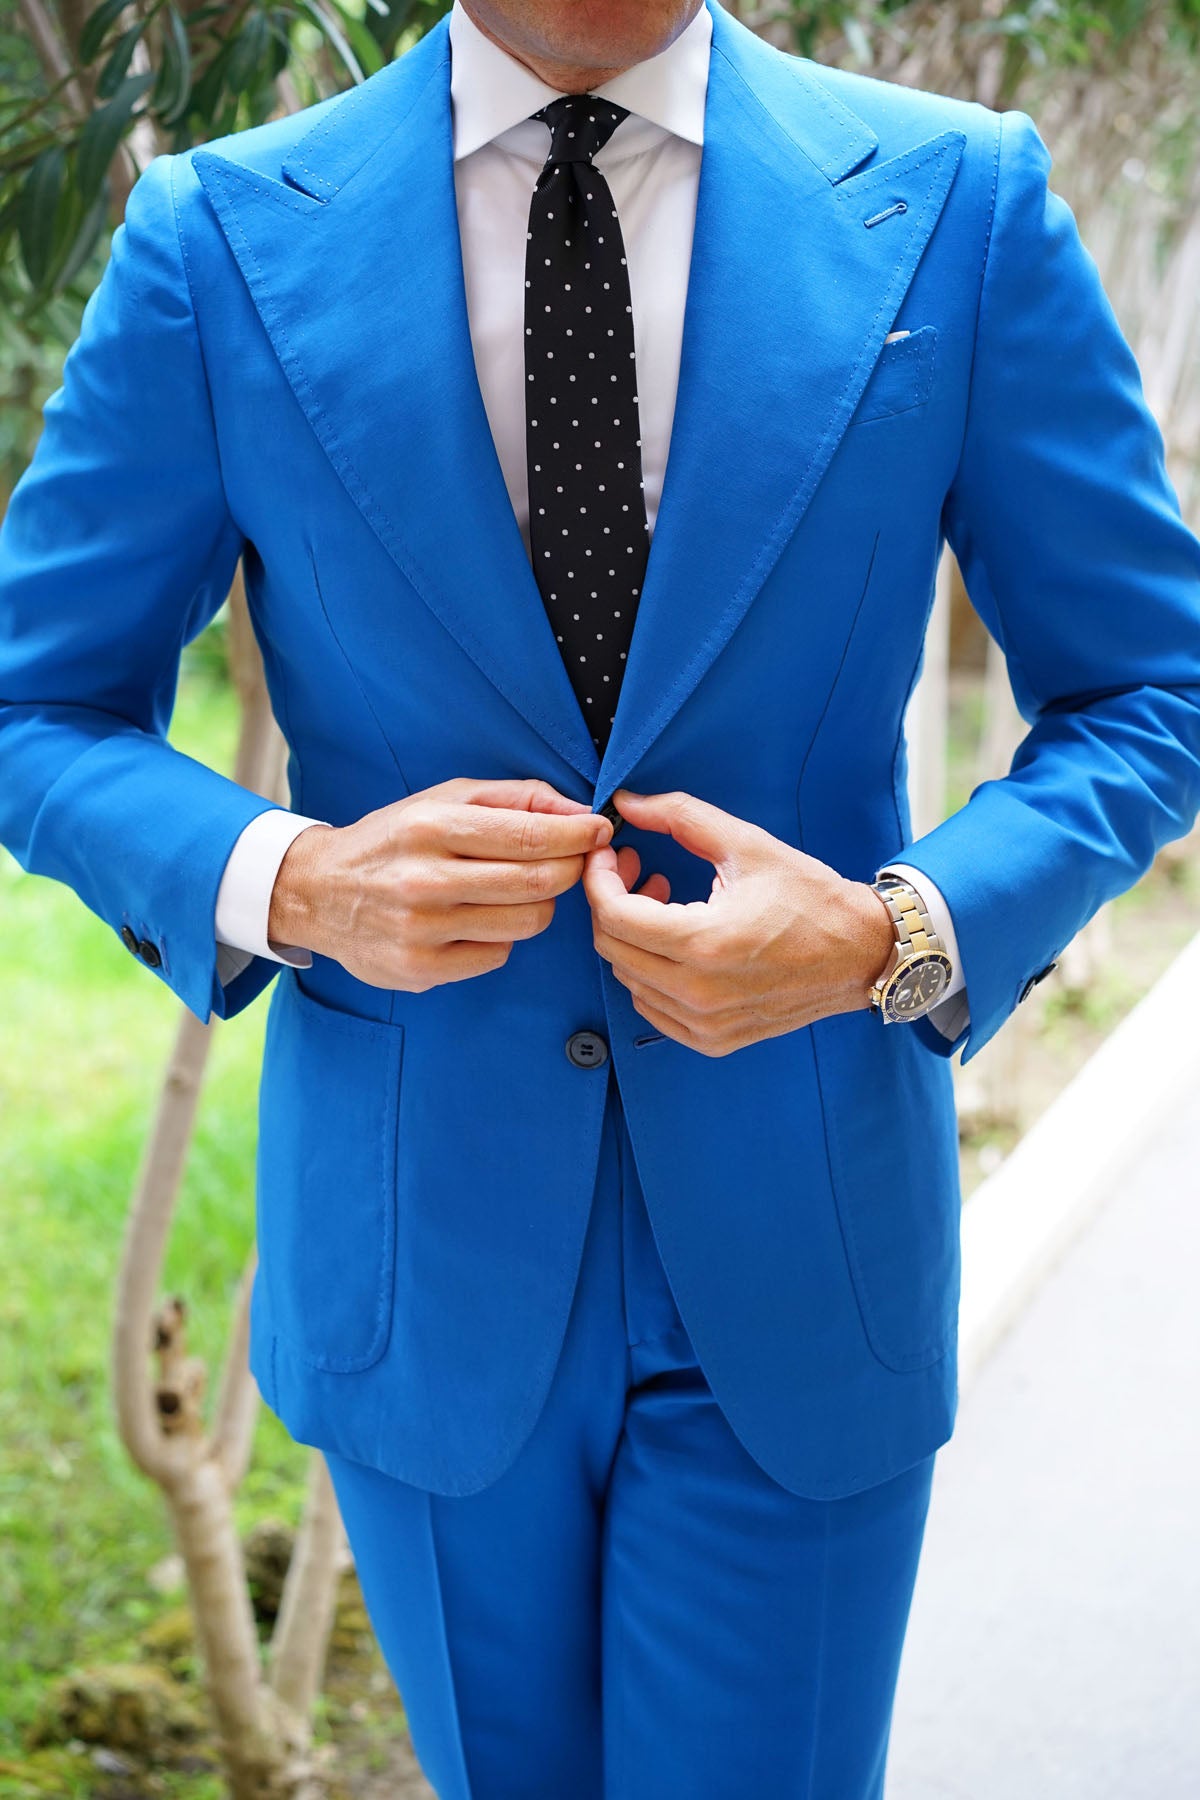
(919, 972)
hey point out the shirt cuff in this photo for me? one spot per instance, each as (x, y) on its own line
(952, 1013)
(244, 897)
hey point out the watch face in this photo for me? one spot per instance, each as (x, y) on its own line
(916, 985)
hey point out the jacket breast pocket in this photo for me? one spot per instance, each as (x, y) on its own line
(902, 377)
(326, 1178)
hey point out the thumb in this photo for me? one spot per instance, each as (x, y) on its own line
(696, 824)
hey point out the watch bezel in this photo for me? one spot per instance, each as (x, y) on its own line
(904, 967)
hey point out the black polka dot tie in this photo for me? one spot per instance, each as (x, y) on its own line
(587, 512)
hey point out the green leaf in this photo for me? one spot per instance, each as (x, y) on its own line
(103, 132)
(281, 47)
(174, 82)
(329, 29)
(37, 211)
(365, 47)
(206, 94)
(90, 227)
(20, 155)
(68, 218)
(8, 218)
(246, 54)
(98, 22)
(113, 72)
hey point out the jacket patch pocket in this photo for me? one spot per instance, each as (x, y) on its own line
(326, 1178)
(892, 1141)
(902, 377)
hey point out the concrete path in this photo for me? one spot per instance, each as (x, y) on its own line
(1054, 1646)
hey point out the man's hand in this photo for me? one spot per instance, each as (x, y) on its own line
(782, 940)
(435, 887)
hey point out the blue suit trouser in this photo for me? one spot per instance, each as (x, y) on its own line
(634, 1610)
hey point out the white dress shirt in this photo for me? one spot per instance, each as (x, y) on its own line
(652, 166)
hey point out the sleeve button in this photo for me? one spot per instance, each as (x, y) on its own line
(1034, 979)
(130, 939)
(149, 953)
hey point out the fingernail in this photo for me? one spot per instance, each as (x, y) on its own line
(629, 794)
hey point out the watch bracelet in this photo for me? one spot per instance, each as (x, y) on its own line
(914, 927)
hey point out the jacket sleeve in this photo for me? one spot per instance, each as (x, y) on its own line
(1070, 538)
(117, 548)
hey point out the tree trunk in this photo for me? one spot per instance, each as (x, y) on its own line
(262, 1718)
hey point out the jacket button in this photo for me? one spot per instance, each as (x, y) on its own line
(149, 953)
(614, 818)
(1034, 979)
(587, 1049)
(129, 938)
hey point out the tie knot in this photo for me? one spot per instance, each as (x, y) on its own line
(580, 124)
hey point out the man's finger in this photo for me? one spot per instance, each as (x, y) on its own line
(699, 826)
(655, 886)
(524, 794)
(665, 926)
(518, 833)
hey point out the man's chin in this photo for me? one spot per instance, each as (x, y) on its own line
(603, 35)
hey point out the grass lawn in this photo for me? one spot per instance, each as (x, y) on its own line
(84, 1038)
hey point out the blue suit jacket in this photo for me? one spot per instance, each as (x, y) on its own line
(277, 364)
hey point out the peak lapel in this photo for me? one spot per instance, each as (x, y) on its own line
(354, 265)
(790, 297)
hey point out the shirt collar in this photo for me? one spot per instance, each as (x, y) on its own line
(490, 91)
